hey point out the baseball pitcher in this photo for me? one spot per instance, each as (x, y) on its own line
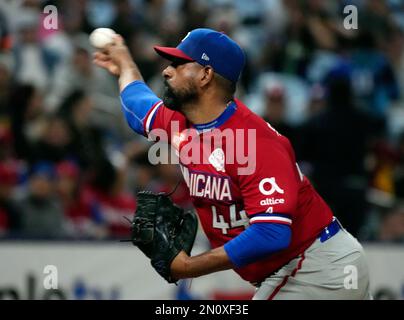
(261, 215)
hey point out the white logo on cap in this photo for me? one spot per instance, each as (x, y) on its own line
(205, 57)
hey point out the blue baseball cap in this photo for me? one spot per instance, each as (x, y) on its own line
(209, 47)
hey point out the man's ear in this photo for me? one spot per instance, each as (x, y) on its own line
(206, 76)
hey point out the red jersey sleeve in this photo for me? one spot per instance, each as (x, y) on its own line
(162, 122)
(272, 189)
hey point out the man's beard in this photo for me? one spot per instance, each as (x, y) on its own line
(177, 99)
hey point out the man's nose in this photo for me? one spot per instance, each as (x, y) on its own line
(168, 72)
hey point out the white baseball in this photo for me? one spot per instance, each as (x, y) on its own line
(101, 37)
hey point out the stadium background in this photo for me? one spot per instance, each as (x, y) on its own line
(70, 166)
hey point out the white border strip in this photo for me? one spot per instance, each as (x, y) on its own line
(271, 219)
(150, 117)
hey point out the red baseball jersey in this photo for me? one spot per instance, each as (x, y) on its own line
(236, 167)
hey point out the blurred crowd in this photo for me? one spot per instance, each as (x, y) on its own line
(70, 166)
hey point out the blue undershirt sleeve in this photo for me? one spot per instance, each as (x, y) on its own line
(258, 241)
(137, 99)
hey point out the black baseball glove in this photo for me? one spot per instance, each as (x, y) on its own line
(161, 229)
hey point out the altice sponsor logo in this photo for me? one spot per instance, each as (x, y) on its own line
(271, 201)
